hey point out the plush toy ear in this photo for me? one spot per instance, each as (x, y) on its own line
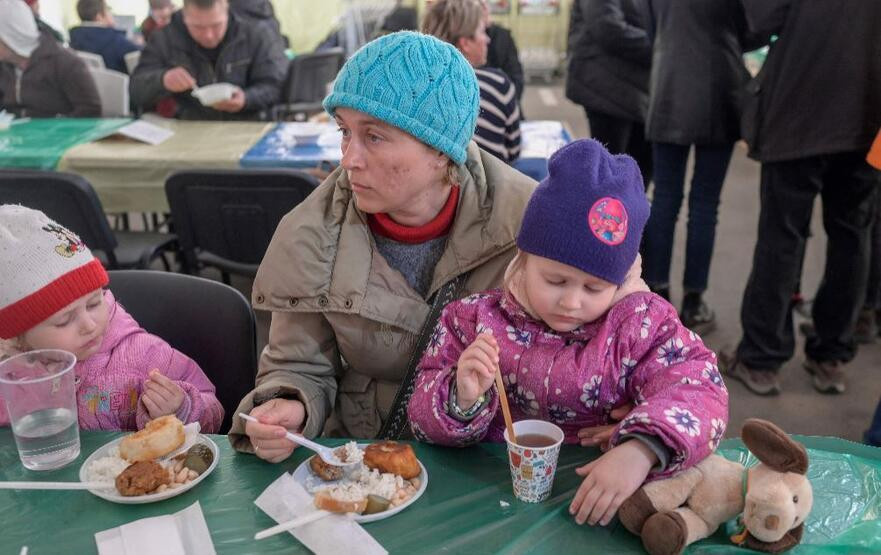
(773, 447)
(790, 540)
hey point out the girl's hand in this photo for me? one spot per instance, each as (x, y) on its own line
(476, 371)
(610, 480)
(600, 435)
(161, 395)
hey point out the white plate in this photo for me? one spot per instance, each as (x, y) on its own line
(302, 473)
(210, 95)
(112, 494)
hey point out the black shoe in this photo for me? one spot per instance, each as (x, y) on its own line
(696, 315)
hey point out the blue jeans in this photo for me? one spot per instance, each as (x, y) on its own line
(710, 167)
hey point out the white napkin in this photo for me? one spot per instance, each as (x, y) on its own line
(183, 533)
(285, 499)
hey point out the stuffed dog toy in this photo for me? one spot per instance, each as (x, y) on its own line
(773, 498)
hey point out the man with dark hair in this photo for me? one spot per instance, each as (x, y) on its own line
(205, 44)
(98, 35)
(160, 16)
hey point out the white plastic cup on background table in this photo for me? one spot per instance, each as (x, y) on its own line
(533, 467)
(40, 394)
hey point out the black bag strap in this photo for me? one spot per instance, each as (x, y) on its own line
(397, 421)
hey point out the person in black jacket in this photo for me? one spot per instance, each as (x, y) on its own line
(696, 78)
(206, 44)
(610, 53)
(98, 35)
(810, 117)
(502, 54)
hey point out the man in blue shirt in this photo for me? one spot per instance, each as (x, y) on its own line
(98, 36)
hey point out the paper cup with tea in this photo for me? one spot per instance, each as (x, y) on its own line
(533, 458)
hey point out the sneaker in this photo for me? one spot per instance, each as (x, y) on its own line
(760, 382)
(866, 329)
(696, 315)
(828, 375)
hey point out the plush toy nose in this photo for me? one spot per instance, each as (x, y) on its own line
(771, 522)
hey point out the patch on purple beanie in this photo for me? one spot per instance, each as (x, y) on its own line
(607, 219)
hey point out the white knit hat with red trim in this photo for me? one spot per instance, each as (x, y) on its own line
(43, 268)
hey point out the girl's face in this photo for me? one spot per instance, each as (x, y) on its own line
(562, 296)
(390, 171)
(79, 327)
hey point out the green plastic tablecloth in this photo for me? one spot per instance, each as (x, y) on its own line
(40, 143)
(460, 511)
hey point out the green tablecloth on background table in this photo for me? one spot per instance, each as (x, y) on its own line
(40, 143)
(130, 176)
(460, 511)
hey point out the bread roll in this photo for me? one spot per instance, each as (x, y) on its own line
(158, 438)
(392, 457)
(324, 500)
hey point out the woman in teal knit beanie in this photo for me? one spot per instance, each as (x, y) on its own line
(351, 272)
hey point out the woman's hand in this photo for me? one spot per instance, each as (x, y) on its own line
(600, 435)
(161, 395)
(610, 480)
(276, 417)
(476, 370)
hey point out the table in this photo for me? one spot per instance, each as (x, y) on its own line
(279, 148)
(460, 511)
(130, 176)
(40, 143)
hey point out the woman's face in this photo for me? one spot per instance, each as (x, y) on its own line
(78, 328)
(390, 171)
(475, 48)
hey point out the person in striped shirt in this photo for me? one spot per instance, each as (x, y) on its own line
(462, 23)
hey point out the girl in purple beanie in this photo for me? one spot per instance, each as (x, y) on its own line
(579, 341)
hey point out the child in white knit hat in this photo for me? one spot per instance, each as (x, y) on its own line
(53, 297)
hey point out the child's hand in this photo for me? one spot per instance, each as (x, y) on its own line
(161, 395)
(476, 370)
(610, 480)
(600, 435)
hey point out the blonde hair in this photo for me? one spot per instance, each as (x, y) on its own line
(451, 20)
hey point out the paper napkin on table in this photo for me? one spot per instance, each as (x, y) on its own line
(183, 533)
(285, 499)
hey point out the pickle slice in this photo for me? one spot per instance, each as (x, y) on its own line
(376, 504)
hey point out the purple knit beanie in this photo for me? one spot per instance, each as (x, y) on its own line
(589, 212)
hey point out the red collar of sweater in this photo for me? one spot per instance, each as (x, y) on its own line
(382, 225)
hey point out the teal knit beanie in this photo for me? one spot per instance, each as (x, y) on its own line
(415, 82)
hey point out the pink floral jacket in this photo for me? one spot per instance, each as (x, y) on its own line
(109, 383)
(639, 352)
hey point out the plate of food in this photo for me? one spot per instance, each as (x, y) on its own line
(388, 479)
(163, 460)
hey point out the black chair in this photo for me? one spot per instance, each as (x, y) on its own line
(306, 83)
(71, 201)
(208, 321)
(226, 218)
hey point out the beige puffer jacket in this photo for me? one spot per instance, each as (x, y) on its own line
(343, 321)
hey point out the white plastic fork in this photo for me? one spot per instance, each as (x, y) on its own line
(326, 453)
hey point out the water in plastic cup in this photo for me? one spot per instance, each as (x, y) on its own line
(533, 468)
(40, 395)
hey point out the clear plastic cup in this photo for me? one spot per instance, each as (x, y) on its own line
(40, 395)
(533, 468)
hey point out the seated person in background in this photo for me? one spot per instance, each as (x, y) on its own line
(98, 35)
(39, 77)
(206, 44)
(42, 26)
(462, 23)
(160, 16)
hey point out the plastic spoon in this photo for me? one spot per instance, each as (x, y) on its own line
(326, 453)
